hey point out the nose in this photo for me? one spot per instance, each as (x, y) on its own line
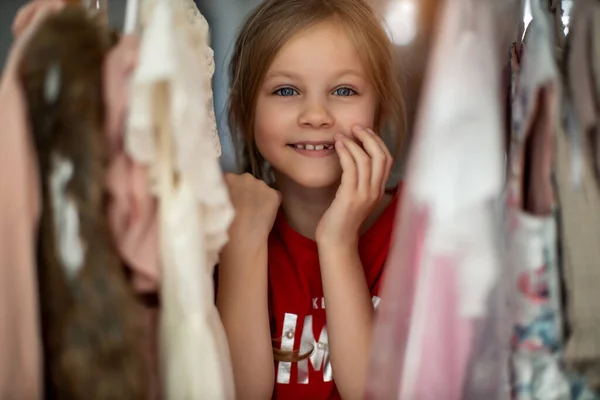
(315, 114)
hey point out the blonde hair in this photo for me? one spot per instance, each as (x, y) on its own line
(265, 32)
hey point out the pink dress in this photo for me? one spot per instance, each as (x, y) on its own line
(438, 332)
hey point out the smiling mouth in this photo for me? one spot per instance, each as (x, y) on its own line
(314, 147)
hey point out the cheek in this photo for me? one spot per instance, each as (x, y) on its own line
(269, 126)
(361, 113)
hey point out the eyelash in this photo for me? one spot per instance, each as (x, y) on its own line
(278, 92)
(352, 91)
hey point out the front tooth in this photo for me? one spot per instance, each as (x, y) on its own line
(319, 147)
(310, 147)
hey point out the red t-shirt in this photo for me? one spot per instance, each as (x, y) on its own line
(297, 305)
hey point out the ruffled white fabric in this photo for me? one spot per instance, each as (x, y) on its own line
(172, 128)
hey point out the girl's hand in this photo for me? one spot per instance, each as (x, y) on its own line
(365, 173)
(256, 206)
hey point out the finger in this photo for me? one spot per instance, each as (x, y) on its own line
(378, 159)
(379, 140)
(349, 170)
(362, 162)
(389, 159)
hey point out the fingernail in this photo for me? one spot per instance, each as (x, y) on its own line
(371, 131)
(338, 136)
(358, 127)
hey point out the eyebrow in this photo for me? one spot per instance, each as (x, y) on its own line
(292, 75)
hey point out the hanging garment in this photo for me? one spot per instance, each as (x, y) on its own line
(132, 210)
(509, 25)
(595, 61)
(89, 314)
(510, 81)
(535, 306)
(555, 7)
(580, 77)
(20, 338)
(580, 235)
(172, 130)
(595, 50)
(580, 204)
(438, 332)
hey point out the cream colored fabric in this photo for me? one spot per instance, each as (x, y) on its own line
(172, 129)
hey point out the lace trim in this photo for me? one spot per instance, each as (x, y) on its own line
(199, 35)
(194, 129)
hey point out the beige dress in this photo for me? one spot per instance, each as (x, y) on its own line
(172, 129)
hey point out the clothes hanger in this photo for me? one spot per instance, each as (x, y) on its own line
(131, 16)
(96, 5)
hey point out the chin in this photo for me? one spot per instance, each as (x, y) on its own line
(315, 179)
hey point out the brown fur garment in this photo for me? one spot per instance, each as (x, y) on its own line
(90, 322)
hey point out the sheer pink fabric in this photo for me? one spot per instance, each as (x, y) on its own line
(441, 294)
(132, 209)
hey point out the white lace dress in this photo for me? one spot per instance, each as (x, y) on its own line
(172, 129)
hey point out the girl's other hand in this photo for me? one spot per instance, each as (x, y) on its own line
(365, 172)
(255, 204)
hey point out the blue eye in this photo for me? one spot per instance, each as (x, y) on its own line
(344, 91)
(285, 92)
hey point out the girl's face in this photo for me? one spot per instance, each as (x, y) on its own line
(315, 87)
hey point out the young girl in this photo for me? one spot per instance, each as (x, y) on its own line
(312, 83)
